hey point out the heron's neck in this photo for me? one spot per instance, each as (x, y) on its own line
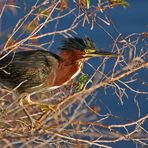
(69, 67)
(71, 56)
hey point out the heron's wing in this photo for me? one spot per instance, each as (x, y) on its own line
(29, 68)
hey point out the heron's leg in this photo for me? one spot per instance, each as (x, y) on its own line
(46, 108)
(25, 98)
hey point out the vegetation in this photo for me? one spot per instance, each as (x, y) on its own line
(78, 116)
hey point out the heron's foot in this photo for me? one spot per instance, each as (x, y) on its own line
(46, 110)
(45, 107)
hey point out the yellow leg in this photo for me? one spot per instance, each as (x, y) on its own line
(25, 99)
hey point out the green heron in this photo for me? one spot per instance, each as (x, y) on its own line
(34, 70)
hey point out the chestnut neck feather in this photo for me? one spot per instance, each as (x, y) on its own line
(68, 66)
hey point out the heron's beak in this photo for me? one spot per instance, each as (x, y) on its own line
(100, 53)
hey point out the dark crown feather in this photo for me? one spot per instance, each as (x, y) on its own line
(78, 43)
